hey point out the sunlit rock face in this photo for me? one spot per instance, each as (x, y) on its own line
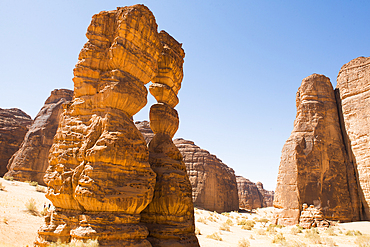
(213, 183)
(353, 91)
(314, 167)
(99, 177)
(14, 124)
(170, 215)
(30, 162)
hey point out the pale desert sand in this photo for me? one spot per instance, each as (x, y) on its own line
(18, 227)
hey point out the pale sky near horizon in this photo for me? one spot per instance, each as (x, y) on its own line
(243, 65)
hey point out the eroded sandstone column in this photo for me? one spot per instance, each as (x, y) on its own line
(353, 83)
(314, 163)
(99, 178)
(170, 215)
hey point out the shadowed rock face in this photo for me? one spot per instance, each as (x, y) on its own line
(314, 163)
(353, 91)
(252, 196)
(30, 162)
(213, 183)
(14, 124)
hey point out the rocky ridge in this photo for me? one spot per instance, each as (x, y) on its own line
(324, 163)
(14, 124)
(30, 162)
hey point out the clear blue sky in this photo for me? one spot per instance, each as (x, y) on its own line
(244, 63)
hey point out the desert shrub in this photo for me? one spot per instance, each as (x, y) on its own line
(8, 178)
(5, 220)
(31, 207)
(197, 231)
(261, 232)
(330, 232)
(251, 236)
(40, 188)
(229, 222)
(329, 242)
(214, 236)
(242, 222)
(271, 229)
(313, 235)
(225, 214)
(243, 243)
(2, 187)
(296, 244)
(363, 241)
(210, 218)
(263, 221)
(246, 227)
(279, 239)
(353, 233)
(225, 227)
(88, 243)
(295, 230)
(34, 183)
(202, 220)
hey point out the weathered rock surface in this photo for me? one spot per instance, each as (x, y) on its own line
(312, 217)
(353, 91)
(314, 166)
(213, 183)
(30, 162)
(170, 215)
(14, 124)
(267, 195)
(99, 177)
(249, 194)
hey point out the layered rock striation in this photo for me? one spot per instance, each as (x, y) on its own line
(170, 215)
(314, 167)
(353, 94)
(253, 195)
(213, 183)
(30, 162)
(267, 195)
(14, 124)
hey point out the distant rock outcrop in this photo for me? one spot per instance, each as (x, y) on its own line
(314, 165)
(353, 96)
(30, 162)
(14, 124)
(213, 183)
(252, 196)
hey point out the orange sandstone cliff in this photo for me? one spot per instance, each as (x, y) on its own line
(100, 175)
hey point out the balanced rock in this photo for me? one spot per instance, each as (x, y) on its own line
(249, 194)
(314, 164)
(99, 177)
(353, 90)
(213, 182)
(14, 124)
(170, 215)
(30, 162)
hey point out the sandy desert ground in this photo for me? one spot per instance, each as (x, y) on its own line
(18, 227)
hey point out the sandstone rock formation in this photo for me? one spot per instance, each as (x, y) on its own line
(30, 162)
(314, 166)
(170, 215)
(267, 195)
(353, 93)
(249, 195)
(14, 125)
(312, 217)
(214, 183)
(99, 177)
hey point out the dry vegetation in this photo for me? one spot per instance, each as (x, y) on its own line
(22, 208)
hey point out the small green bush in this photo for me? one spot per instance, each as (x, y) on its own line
(34, 183)
(263, 221)
(31, 207)
(202, 220)
(8, 178)
(279, 239)
(229, 222)
(330, 232)
(313, 235)
(295, 230)
(353, 233)
(225, 227)
(261, 232)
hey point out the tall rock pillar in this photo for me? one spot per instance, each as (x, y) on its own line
(314, 162)
(170, 215)
(353, 87)
(99, 177)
